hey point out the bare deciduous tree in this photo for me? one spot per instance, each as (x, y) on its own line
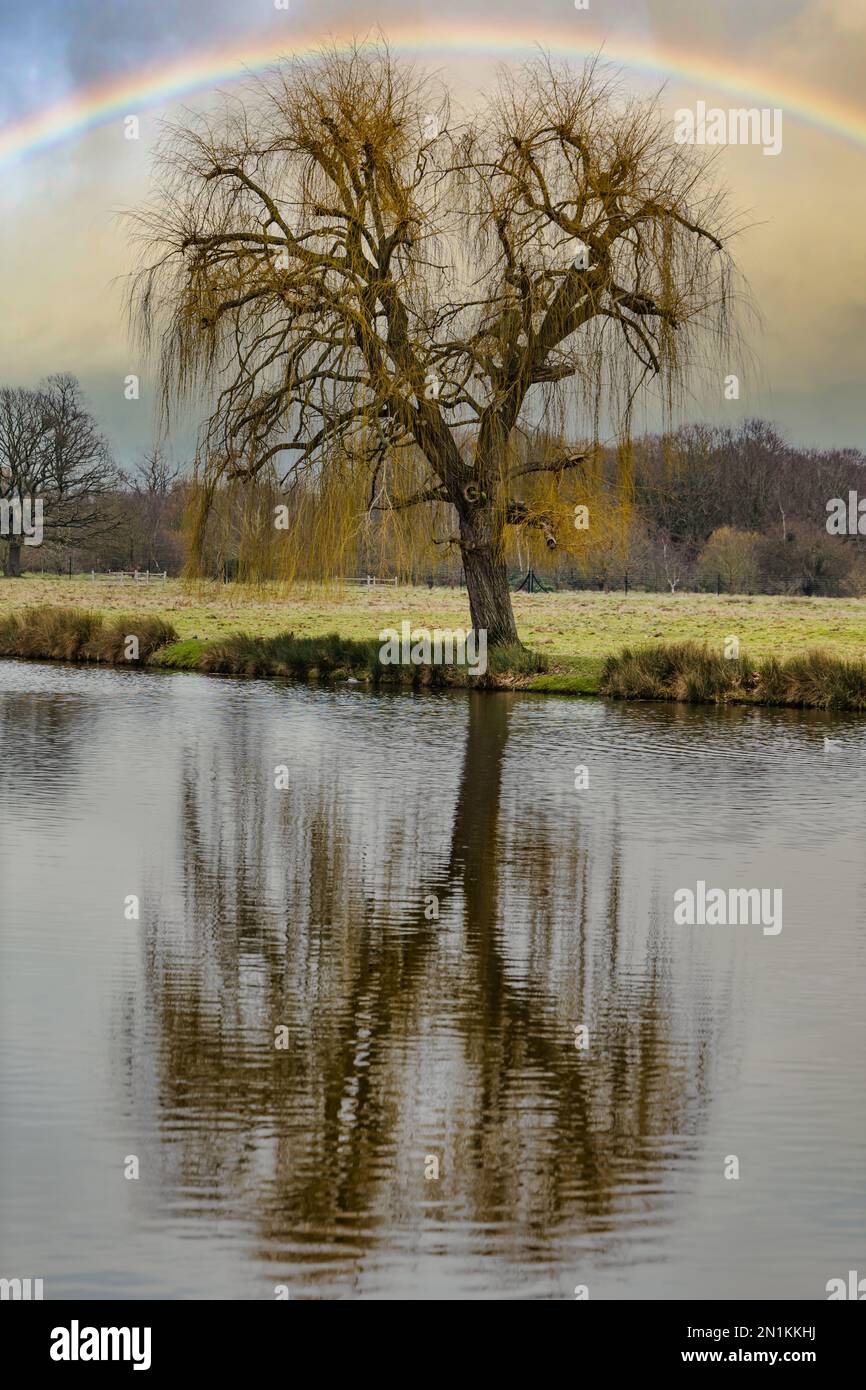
(153, 483)
(362, 279)
(51, 448)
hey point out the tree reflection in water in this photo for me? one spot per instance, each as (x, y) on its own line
(410, 1036)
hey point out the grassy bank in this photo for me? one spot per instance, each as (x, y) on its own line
(332, 632)
(45, 633)
(333, 657)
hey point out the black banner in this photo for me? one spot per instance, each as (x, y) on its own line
(156, 1339)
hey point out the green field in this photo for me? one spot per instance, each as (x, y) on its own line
(573, 631)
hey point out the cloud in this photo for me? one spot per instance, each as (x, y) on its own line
(60, 245)
(53, 48)
(822, 45)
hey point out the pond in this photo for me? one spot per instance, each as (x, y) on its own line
(324, 993)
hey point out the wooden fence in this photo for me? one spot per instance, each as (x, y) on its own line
(369, 581)
(135, 576)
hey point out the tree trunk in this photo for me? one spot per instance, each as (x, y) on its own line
(486, 577)
(13, 560)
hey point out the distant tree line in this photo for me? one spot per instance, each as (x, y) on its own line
(742, 510)
(735, 509)
(739, 509)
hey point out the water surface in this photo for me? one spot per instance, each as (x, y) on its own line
(411, 1037)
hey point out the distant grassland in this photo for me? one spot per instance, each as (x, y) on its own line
(573, 632)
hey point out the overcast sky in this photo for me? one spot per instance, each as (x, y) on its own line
(62, 247)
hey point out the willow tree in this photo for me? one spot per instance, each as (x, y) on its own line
(348, 271)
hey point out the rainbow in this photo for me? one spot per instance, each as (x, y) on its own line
(155, 86)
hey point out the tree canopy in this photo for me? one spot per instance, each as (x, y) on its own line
(373, 291)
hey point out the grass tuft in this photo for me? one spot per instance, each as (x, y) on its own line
(110, 642)
(689, 672)
(302, 658)
(516, 660)
(45, 633)
(182, 656)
